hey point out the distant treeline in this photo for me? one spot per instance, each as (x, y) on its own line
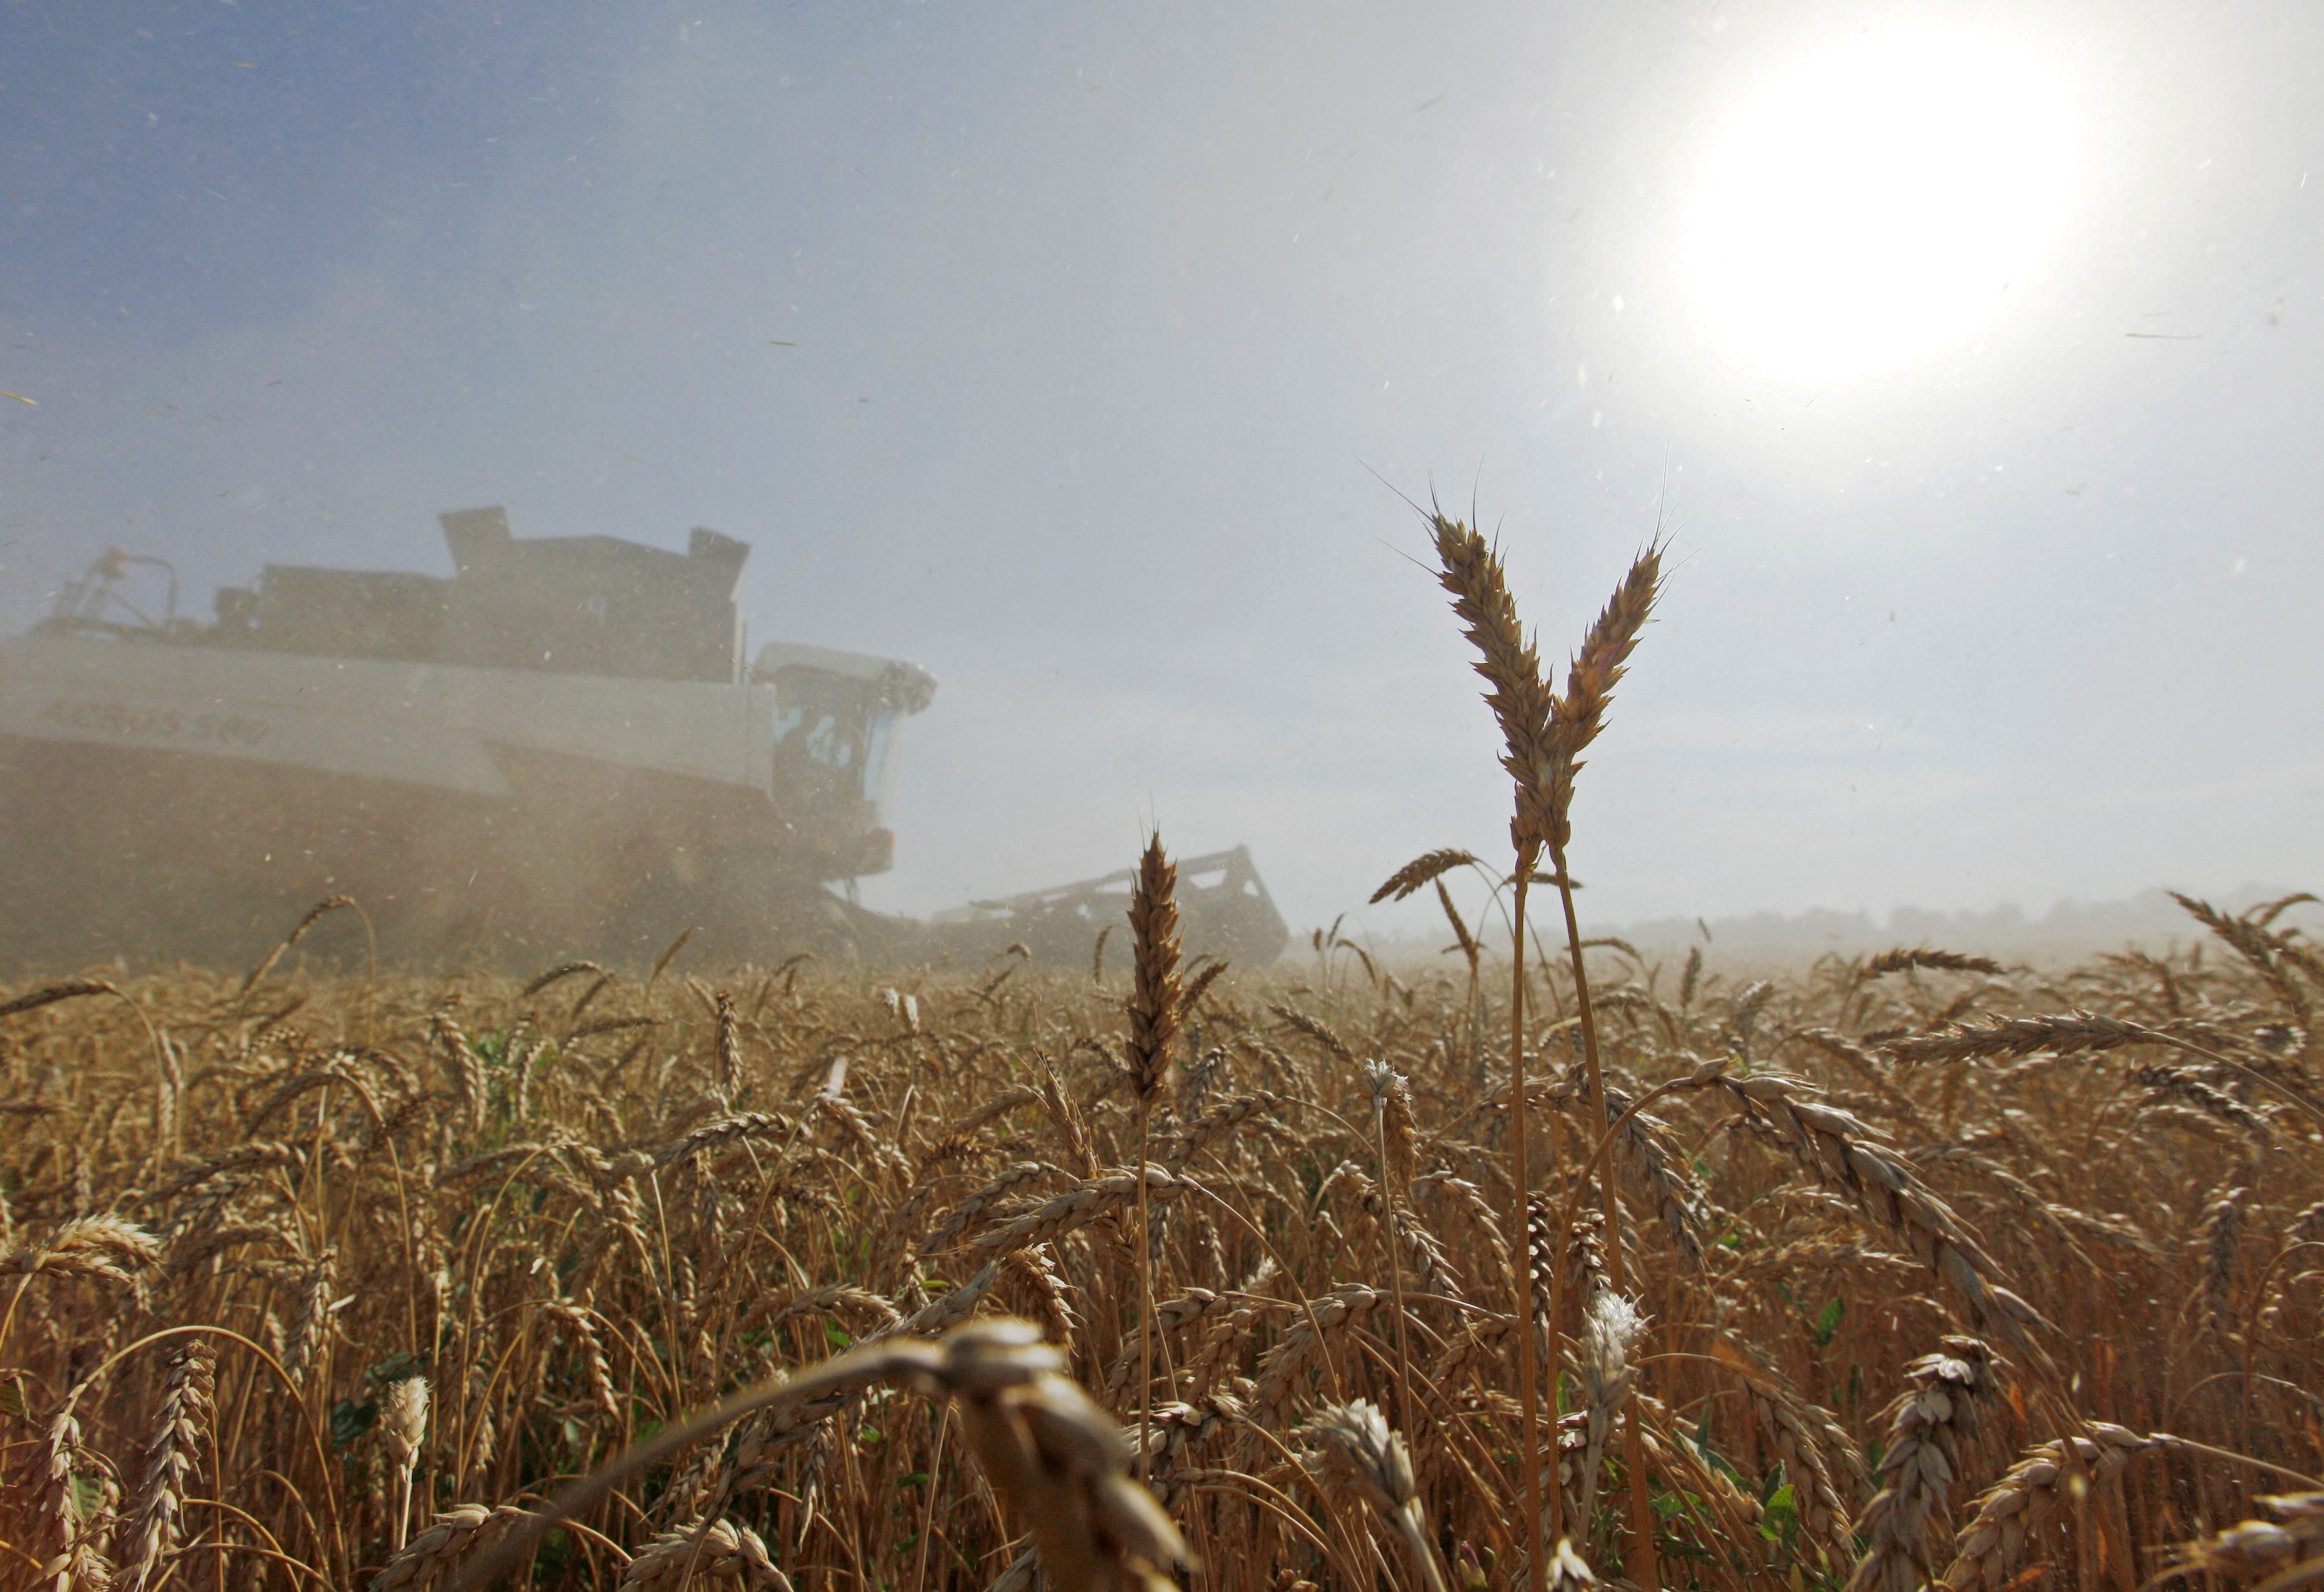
(2152, 916)
(2152, 920)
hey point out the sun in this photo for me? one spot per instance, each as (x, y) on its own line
(1878, 201)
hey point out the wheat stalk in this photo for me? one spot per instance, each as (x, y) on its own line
(1154, 1013)
(462, 1067)
(1217, 1123)
(1523, 705)
(2223, 1228)
(1049, 1451)
(971, 1210)
(580, 1325)
(311, 1330)
(1576, 718)
(1171, 1317)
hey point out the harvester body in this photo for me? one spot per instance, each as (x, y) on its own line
(558, 748)
(563, 748)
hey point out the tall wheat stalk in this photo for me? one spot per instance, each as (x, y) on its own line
(1154, 1008)
(1471, 571)
(1544, 736)
(1575, 720)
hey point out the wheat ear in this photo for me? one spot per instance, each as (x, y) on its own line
(173, 1460)
(79, 1560)
(729, 1046)
(1927, 1426)
(91, 1246)
(402, 1429)
(2291, 1544)
(1942, 961)
(1568, 1571)
(717, 1551)
(1057, 1463)
(2014, 1509)
(1359, 1449)
(458, 1532)
(1422, 871)
(1610, 1324)
(1839, 1149)
(1800, 1434)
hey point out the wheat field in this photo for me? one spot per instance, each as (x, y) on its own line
(1486, 1271)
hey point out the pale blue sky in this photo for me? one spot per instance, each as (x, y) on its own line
(1104, 316)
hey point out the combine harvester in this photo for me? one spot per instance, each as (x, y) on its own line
(558, 750)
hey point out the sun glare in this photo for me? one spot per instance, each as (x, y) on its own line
(1878, 201)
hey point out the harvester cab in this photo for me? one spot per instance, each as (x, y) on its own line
(103, 599)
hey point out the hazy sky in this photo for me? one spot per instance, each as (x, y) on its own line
(1105, 317)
